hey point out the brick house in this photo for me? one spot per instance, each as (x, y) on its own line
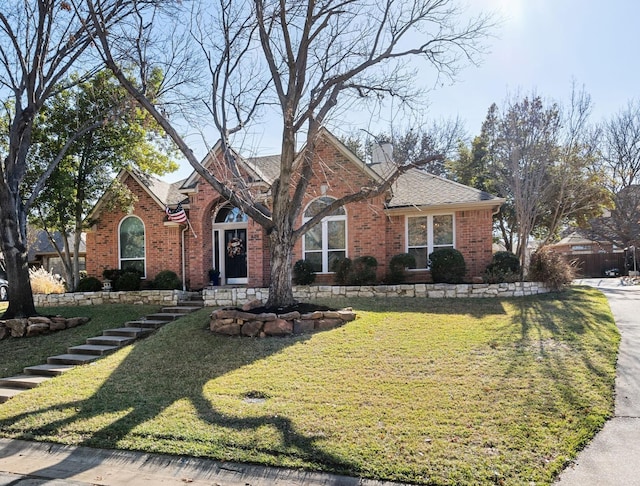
(420, 213)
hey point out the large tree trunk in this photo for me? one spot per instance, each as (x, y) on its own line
(16, 260)
(281, 287)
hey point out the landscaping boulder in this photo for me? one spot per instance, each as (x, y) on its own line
(18, 326)
(279, 327)
(37, 329)
(4, 332)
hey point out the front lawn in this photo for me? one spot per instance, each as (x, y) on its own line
(482, 391)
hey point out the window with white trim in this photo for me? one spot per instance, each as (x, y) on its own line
(132, 244)
(327, 241)
(428, 233)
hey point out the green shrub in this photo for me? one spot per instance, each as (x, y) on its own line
(551, 269)
(89, 284)
(363, 271)
(303, 273)
(360, 271)
(397, 266)
(127, 281)
(341, 267)
(167, 280)
(447, 266)
(504, 267)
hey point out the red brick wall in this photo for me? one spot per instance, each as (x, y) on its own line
(369, 230)
(162, 243)
(474, 239)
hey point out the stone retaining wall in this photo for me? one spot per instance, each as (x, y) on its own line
(152, 297)
(216, 297)
(34, 326)
(234, 322)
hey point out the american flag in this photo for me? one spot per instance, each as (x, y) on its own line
(177, 215)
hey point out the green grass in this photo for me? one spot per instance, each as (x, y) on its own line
(15, 354)
(486, 391)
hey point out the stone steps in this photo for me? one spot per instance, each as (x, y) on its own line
(47, 369)
(132, 332)
(23, 381)
(95, 347)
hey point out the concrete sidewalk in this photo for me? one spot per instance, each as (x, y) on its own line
(25, 463)
(613, 457)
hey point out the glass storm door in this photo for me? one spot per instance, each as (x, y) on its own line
(230, 245)
(235, 256)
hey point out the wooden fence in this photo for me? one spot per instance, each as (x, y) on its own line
(594, 265)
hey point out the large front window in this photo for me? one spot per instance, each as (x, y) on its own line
(428, 233)
(132, 244)
(327, 241)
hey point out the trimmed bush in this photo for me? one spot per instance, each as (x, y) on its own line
(89, 284)
(363, 271)
(341, 267)
(127, 281)
(397, 266)
(167, 280)
(447, 266)
(504, 267)
(303, 273)
(551, 269)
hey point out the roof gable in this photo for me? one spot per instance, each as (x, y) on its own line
(163, 193)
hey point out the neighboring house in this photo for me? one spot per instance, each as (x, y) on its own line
(420, 213)
(591, 258)
(577, 243)
(43, 254)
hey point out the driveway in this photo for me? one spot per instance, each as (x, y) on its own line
(613, 457)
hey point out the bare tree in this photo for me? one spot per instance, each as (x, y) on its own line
(302, 60)
(620, 159)
(576, 192)
(523, 147)
(40, 40)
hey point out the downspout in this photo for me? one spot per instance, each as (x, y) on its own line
(184, 262)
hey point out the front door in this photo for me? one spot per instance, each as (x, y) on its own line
(235, 256)
(230, 245)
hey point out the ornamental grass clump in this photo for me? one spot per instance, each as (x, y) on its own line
(44, 282)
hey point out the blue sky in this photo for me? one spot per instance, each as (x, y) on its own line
(540, 45)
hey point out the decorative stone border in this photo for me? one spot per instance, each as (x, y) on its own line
(152, 297)
(34, 326)
(223, 296)
(234, 322)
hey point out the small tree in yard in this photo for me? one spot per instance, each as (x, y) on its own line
(301, 59)
(120, 135)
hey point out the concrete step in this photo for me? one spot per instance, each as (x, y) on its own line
(198, 304)
(132, 332)
(74, 359)
(146, 323)
(7, 393)
(47, 369)
(111, 340)
(93, 349)
(164, 316)
(180, 309)
(23, 381)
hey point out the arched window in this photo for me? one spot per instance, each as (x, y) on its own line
(327, 241)
(230, 214)
(132, 244)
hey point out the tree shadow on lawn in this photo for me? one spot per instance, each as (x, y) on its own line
(561, 332)
(148, 381)
(477, 308)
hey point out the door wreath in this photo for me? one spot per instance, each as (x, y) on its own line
(234, 247)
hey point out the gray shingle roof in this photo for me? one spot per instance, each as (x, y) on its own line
(418, 188)
(167, 193)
